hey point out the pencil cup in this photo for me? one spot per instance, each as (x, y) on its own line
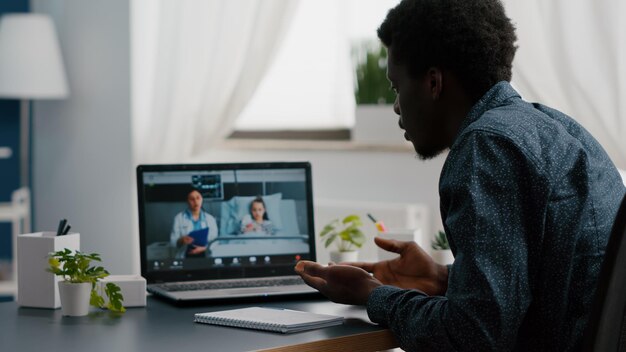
(37, 287)
(400, 235)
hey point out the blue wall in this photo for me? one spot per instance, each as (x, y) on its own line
(9, 137)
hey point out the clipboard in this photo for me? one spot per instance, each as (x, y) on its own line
(200, 237)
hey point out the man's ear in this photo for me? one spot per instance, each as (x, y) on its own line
(434, 77)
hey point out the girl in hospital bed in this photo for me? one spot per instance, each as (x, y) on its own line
(257, 221)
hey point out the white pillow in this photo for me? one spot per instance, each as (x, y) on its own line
(240, 206)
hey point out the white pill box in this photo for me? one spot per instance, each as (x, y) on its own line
(133, 289)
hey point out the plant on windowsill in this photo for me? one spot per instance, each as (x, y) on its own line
(347, 235)
(79, 287)
(372, 86)
(441, 252)
(373, 97)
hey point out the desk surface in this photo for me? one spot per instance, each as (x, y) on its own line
(164, 327)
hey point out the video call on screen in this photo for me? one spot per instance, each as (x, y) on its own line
(225, 218)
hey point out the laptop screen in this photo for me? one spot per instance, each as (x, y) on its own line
(218, 221)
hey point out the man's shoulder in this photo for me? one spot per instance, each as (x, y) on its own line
(521, 120)
(532, 128)
(552, 141)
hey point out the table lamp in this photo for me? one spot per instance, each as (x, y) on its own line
(31, 67)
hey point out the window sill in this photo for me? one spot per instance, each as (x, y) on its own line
(273, 144)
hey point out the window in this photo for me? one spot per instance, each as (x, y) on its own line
(310, 86)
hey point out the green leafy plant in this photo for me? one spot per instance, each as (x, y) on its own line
(75, 267)
(346, 232)
(440, 241)
(372, 86)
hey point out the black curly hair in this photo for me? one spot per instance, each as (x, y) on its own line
(472, 38)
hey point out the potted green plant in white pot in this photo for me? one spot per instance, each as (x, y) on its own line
(78, 289)
(348, 237)
(441, 252)
(372, 85)
(373, 96)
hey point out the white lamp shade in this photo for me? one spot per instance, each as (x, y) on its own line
(31, 66)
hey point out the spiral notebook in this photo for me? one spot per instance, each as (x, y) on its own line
(270, 319)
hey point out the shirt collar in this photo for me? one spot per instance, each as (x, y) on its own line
(494, 97)
(190, 216)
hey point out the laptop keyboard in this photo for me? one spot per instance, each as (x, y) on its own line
(212, 285)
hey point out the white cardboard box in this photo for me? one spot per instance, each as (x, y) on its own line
(133, 289)
(37, 287)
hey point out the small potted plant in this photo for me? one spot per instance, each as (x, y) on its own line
(441, 249)
(79, 287)
(373, 95)
(372, 85)
(347, 235)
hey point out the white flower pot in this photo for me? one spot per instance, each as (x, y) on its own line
(442, 257)
(74, 298)
(368, 129)
(339, 257)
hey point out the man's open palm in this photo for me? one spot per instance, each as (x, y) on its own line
(413, 269)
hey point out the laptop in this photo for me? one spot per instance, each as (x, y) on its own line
(221, 231)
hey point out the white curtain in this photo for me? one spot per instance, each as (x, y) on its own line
(195, 65)
(572, 57)
(310, 83)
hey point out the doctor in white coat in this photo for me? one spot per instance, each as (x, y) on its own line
(192, 219)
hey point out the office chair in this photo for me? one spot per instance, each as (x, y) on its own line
(606, 328)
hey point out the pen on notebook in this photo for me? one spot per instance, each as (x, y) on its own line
(61, 226)
(380, 226)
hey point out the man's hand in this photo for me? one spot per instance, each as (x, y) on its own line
(340, 283)
(413, 269)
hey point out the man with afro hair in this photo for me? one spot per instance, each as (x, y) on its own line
(527, 196)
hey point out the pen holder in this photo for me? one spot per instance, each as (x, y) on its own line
(36, 287)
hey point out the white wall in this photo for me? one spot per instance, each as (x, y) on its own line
(82, 167)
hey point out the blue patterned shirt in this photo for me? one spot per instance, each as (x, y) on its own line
(528, 198)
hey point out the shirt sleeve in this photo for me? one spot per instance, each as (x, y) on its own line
(486, 194)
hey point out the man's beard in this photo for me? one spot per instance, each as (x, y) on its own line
(426, 153)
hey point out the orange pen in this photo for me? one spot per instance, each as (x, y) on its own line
(380, 226)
